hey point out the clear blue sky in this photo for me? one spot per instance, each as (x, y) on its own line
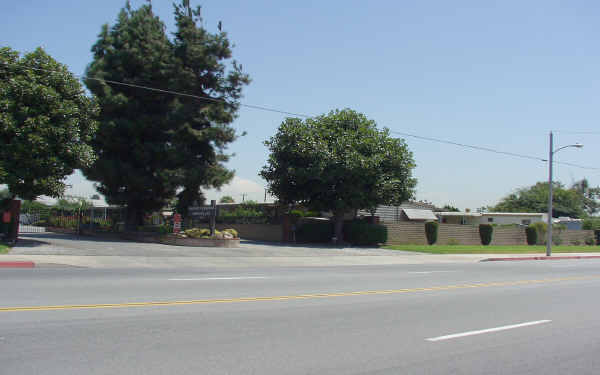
(496, 74)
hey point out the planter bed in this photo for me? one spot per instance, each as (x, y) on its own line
(171, 239)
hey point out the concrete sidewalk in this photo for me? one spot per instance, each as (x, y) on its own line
(70, 250)
(47, 249)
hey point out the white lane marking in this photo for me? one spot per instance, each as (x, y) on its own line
(471, 333)
(221, 278)
(424, 272)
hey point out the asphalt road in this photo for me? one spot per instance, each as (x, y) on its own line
(485, 318)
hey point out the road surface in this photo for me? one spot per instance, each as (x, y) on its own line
(483, 318)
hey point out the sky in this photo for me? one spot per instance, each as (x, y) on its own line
(495, 74)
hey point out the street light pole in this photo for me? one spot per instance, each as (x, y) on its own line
(549, 230)
(550, 190)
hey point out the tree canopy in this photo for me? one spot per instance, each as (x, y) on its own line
(152, 145)
(338, 162)
(578, 201)
(226, 199)
(46, 124)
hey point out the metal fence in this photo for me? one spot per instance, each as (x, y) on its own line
(94, 218)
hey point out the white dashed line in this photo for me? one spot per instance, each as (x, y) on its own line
(489, 330)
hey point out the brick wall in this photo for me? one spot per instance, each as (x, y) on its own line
(255, 232)
(568, 237)
(408, 233)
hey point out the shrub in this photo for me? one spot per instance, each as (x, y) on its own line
(231, 231)
(591, 224)
(361, 233)
(197, 232)
(485, 233)
(315, 231)
(556, 239)
(165, 228)
(541, 229)
(575, 242)
(532, 235)
(590, 241)
(431, 231)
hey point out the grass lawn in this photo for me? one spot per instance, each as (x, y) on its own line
(4, 249)
(480, 249)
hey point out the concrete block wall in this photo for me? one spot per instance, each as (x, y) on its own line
(255, 232)
(509, 236)
(568, 237)
(407, 233)
(463, 234)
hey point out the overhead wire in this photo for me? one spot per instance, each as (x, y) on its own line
(274, 110)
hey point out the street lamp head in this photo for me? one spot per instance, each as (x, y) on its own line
(578, 145)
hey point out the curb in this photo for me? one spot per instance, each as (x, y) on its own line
(17, 264)
(543, 258)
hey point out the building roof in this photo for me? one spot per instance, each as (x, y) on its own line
(514, 213)
(477, 214)
(416, 214)
(452, 213)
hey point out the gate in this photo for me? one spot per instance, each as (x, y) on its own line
(32, 221)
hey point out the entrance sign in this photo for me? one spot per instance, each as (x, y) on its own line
(176, 223)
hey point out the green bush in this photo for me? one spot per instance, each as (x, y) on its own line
(485, 233)
(361, 233)
(431, 231)
(532, 235)
(591, 224)
(541, 229)
(197, 232)
(318, 231)
(590, 241)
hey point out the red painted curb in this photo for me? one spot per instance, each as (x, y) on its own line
(543, 258)
(17, 264)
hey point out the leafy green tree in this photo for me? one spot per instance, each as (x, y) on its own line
(449, 208)
(46, 124)
(566, 202)
(202, 129)
(153, 145)
(73, 203)
(338, 162)
(590, 196)
(226, 199)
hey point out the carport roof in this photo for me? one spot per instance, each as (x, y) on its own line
(416, 214)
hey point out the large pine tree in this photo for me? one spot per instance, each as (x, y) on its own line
(152, 144)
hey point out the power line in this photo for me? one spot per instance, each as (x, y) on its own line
(262, 108)
(177, 93)
(577, 132)
(480, 148)
(469, 146)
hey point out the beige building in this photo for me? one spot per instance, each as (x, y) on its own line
(500, 218)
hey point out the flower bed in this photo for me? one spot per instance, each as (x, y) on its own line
(180, 240)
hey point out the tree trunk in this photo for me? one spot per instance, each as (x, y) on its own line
(135, 218)
(339, 227)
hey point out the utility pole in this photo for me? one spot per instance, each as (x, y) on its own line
(549, 230)
(243, 197)
(550, 189)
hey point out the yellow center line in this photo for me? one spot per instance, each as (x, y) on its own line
(293, 297)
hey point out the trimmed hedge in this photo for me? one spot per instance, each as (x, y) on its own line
(532, 235)
(485, 233)
(431, 231)
(315, 231)
(363, 234)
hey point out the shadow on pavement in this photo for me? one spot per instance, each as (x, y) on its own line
(63, 236)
